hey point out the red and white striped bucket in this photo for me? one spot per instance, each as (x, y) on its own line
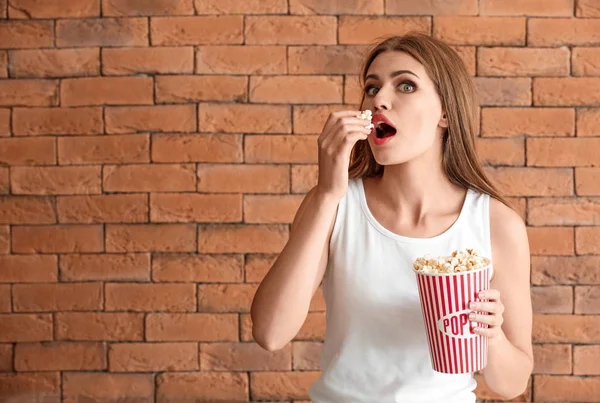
(445, 299)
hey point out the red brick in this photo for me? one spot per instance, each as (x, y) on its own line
(271, 209)
(4, 181)
(53, 9)
(6, 357)
(202, 386)
(197, 268)
(566, 388)
(57, 297)
(435, 7)
(28, 268)
(197, 30)
(30, 386)
(60, 356)
(225, 297)
(257, 267)
(354, 7)
(104, 149)
(503, 91)
(175, 207)
(494, 151)
(157, 118)
(23, 327)
(55, 180)
(105, 387)
(244, 118)
(183, 89)
(104, 32)
(4, 239)
(149, 178)
(260, 60)
(484, 393)
(238, 7)
(152, 357)
(282, 385)
(173, 147)
(26, 210)
(586, 360)
(105, 267)
(54, 62)
(358, 30)
(523, 62)
(115, 208)
(28, 92)
(290, 30)
(562, 152)
(586, 62)
(551, 240)
(28, 151)
(296, 89)
(310, 119)
(150, 297)
(26, 34)
(119, 8)
(480, 31)
(544, 32)
(57, 239)
(572, 91)
(3, 64)
(151, 238)
(325, 59)
(564, 211)
(127, 61)
(588, 121)
(304, 177)
(540, 8)
(242, 239)
(5, 126)
(587, 181)
(246, 327)
(552, 359)
(207, 327)
(243, 357)
(106, 90)
(99, 326)
(581, 329)
(468, 55)
(565, 270)
(59, 121)
(509, 122)
(3, 8)
(587, 299)
(5, 298)
(225, 178)
(307, 355)
(313, 327)
(280, 149)
(553, 299)
(532, 181)
(587, 8)
(587, 240)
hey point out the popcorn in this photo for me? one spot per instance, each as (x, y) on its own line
(459, 261)
(367, 115)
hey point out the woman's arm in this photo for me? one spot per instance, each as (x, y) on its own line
(510, 351)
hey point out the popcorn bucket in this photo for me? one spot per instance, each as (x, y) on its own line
(445, 299)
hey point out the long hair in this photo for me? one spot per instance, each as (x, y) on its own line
(459, 101)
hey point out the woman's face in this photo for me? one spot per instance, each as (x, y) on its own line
(398, 88)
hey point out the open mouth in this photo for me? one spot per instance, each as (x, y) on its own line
(383, 130)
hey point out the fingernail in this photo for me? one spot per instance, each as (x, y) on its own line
(471, 316)
(473, 305)
(481, 294)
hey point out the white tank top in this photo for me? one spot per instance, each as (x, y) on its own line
(375, 347)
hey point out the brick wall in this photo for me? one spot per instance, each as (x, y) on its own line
(153, 154)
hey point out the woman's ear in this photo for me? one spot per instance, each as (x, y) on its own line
(443, 121)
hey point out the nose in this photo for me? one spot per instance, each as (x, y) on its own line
(381, 101)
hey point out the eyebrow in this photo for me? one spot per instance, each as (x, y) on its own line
(394, 74)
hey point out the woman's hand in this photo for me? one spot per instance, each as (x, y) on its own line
(492, 315)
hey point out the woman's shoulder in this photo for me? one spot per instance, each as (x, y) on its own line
(506, 225)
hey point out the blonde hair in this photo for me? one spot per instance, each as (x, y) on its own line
(459, 101)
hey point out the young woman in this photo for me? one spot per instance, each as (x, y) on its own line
(408, 187)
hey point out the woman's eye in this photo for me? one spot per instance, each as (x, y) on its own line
(407, 87)
(371, 90)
